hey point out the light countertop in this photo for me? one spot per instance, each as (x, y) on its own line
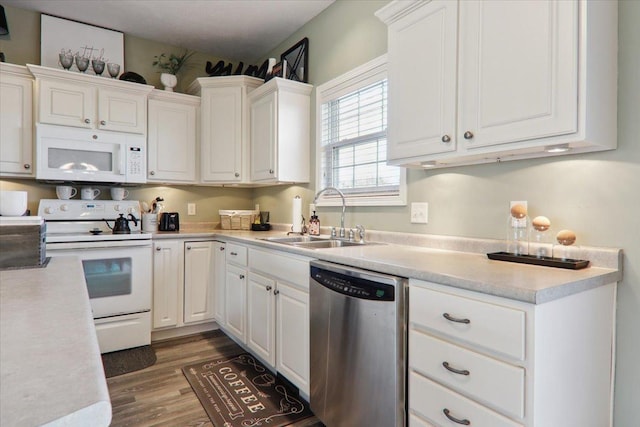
(50, 366)
(456, 262)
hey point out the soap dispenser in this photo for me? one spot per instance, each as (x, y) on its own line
(314, 225)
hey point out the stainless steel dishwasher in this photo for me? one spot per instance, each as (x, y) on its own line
(358, 346)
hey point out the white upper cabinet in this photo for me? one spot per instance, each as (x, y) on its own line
(172, 137)
(483, 81)
(224, 136)
(16, 121)
(280, 132)
(92, 102)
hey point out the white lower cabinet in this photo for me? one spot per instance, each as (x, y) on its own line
(267, 308)
(183, 282)
(235, 288)
(278, 313)
(481, 360)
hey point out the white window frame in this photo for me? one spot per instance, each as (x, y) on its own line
(360, 77)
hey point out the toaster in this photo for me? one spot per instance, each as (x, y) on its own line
(169, 221)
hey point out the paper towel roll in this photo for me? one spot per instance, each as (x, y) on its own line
(296, 215)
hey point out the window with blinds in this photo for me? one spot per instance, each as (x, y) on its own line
(354, 143)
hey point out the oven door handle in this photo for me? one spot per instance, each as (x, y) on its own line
(109, 244)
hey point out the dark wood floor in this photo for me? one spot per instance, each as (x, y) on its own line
(160, 394)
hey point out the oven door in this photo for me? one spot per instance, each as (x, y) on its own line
(118, 274)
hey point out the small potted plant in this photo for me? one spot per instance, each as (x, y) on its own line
(169, 66)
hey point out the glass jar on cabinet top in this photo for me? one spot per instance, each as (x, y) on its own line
(518, 230)
(540, 243)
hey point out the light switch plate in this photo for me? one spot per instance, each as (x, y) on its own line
(191, 208)
(419, 213)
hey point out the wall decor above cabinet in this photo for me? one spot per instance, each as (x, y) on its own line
(479, 82)
(78, 100)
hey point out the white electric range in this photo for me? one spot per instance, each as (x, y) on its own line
(117, 267)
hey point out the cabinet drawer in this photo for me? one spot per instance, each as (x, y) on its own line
(236, 254)
(486, 379)
(494, 327)
(430, 400)
(287, 268)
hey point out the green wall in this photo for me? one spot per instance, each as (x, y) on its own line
(597, 194)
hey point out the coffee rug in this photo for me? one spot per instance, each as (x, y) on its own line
(129, 360)
(238, 391)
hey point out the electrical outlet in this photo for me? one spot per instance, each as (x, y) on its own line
(419, 213)
(191, 208)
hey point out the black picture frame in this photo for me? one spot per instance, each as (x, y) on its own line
(297, 60)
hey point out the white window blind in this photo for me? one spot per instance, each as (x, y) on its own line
(354, 143)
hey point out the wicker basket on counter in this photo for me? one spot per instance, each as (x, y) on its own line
(237, 220)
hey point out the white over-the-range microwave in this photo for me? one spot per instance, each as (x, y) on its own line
(73, 154)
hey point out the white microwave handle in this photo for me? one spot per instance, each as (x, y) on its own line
(122, 154)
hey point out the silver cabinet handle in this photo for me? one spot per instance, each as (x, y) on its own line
(95, 137)
(27, 166)
(446, 138)
(237, 174)
(233, 253)
(447, 413)
(454, 370)
(87, 121)
(102, 122)
(268, 288)
(271, 171)
(222, 248)
(276, 292)
(158, 248)
(468, 135)
(455, 319)
(188, 248)
(242, 276)
(152, 172)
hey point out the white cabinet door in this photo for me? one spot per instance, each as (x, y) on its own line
(198, 281)
(235, 300)
(66, 103)
(172, 141)
(518, 65)
(261, 333)
(218, 282)
(168, 256)
(422, 109)
(263, 137)
(222, 134)
(292, 330)
(16, 124)
(122, 111)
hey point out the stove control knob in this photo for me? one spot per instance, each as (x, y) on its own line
(64, 208)
(49, 210)
(132, 210)
(116, 208)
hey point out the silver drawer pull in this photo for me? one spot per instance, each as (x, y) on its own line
(454, 419)
(276, 292)
(454, 370)
(222, 248)
(233, 253)
(242, 276)
(455, 319)
(268, 288)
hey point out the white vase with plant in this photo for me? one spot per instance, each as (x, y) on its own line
(169, 66)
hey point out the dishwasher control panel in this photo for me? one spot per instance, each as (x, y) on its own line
(353, 286)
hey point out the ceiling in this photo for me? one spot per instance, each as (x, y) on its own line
(231, 29)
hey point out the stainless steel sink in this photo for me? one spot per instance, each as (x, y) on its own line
(311, 242)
